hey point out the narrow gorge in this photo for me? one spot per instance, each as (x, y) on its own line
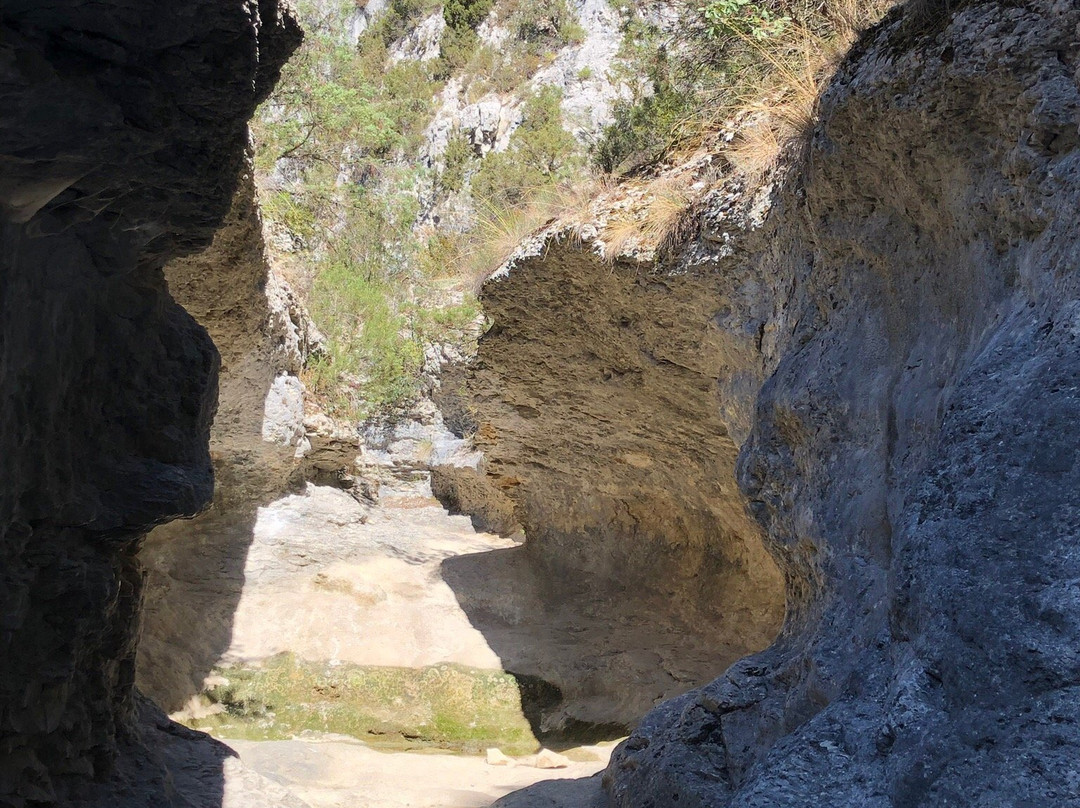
(778, 496)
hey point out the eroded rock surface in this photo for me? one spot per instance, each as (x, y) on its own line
(122, 135)
(913, 455)
(606, 403)
(257, 444)
(887, 341)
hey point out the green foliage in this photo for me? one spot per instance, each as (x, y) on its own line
(742, 18)
(459, 40)
(456, 48)
(459, 152)
(730, 53)
(541, 153)
(358, 298)
(349, 123)
(641, 131)
(466, 14)
(544, 21)
(283, 207)
(645, 124)
(331, 97)
(395, 21)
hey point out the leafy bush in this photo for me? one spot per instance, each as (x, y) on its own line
(466, 14)
(459, 40)
(547, 21)
(457, 156)
(398, 17)
(742, 18)
(644, 124)
(541, 153)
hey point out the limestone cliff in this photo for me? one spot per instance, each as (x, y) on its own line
(892, 353)
(122, 135)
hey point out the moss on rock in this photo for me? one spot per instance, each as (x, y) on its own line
(444, 706)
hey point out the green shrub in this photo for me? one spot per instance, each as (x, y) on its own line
(398, 17)
(742, 18)
(546, 21)
(729, 54)
(459, 153)
(283, 208)
(462, 14)
(541, 153)
(456, 48)
(645, 124)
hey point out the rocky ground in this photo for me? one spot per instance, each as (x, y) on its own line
(338, 772)
(373, 598)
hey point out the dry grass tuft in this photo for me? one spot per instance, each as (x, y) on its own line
(498, 230)
(783, 112)
(646, 227)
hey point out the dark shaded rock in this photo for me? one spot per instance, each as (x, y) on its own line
(196, 567)
(122, 134)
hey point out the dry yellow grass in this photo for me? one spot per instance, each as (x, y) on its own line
(779, 108)
(782, 112)
(497, 231)
(645, 227)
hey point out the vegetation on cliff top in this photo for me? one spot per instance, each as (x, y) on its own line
(351, 187)
(339, 151)
(766, 58)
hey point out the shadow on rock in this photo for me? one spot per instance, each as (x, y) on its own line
(586, 792)
(590, 660)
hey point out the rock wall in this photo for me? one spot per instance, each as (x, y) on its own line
(123, 132)
(598, 397)
(257, 445)
(892, 352)
(912, 457)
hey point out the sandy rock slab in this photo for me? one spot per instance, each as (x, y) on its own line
(338, 772)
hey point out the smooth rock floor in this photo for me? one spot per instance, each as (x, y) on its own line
(337, 772)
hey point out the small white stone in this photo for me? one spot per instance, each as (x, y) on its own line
(551, 760)
(495, 757)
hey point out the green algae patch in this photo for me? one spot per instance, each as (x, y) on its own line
(446, 706)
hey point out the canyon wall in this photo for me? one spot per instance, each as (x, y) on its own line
(852, 392)
(887, 337)
(597, 398)
(258, 445)
(122, 137)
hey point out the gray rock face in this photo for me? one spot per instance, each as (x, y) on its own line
(122, 135)
(912, 457)
(892, 352)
